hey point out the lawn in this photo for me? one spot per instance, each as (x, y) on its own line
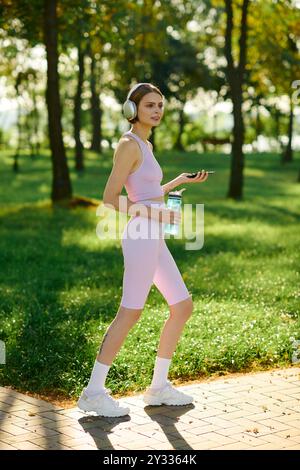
(61, 286)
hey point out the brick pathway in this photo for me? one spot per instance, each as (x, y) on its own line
(252, 411)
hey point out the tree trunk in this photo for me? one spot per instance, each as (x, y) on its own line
(178, 144)
(35, 117)
(235, 76)
(77, 113)
(152, 138)
(257, 123)
(277, 116)
(288, 153)
(61, 184)
(19, 131)
(96, 111)
(237, 160)
(28, 132)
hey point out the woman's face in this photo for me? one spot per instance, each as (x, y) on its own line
(151, 109)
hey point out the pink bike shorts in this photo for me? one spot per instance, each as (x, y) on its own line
(147, 261)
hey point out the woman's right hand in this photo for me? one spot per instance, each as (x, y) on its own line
(168, 216)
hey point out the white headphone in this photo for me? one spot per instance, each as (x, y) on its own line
(129, 107)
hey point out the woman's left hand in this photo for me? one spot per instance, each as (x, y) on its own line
(200, 178)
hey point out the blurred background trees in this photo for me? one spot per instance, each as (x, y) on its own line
(225, 67)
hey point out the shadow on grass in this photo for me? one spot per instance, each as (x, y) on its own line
(47, 333)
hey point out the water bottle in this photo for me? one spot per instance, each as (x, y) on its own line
(174, 203)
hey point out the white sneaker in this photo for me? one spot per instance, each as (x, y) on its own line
(167, 395)
(103, 404)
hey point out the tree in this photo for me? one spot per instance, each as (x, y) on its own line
(145, 54)
(79, 165)
(61, 185)
(37, 22)
(182, 73)
(235, 77)
(274, 56)
(96, 111)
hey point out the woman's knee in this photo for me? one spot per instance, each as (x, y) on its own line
(131, 315)
(184, 309)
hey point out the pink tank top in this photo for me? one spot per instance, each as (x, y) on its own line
(144, 183)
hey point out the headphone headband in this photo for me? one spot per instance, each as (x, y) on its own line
(134, 88)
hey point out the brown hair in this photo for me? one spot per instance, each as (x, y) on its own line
(138, 94)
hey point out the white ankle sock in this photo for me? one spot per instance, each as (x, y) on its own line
(97, 380)
(161, 370)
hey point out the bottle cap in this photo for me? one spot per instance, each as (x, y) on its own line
(176, 194)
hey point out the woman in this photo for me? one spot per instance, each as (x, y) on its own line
(147, 260)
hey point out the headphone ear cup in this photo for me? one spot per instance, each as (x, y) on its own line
(129, 109)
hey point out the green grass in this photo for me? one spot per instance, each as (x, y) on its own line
(61, 286)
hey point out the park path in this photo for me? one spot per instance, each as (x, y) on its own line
(252, 411)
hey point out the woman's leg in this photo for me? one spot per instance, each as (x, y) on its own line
(111, 344)
(169, 282)
(179, 314)
(116, 333)
(140, 259)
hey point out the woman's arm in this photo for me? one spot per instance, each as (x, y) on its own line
(172, 184)
(184, 179)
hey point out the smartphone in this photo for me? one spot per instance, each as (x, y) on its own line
(193, 175)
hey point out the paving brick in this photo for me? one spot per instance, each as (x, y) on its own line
(209, 411)
(225, 407)
(231, 431)
(11, 408)
(72, 413)
(274, 424)
(27, 445)
(71, 432)
(296, 447)
(5, 446)
(136, 419)
(247, 439)
(291, 432)
(205, 445)
(51, 444)
(264, 415)
(233, 446)
(233, 415)
(42, 430)
(11, 439)
(57, 426)
(39, 421)
(220, 422)
(52, 415)
(23, 414)
(219, 438)
(293, 405)
(12, 429)
(203, 429)
(279, 441)
(11, 419)
(84, 447)
(46, 442)
(269, 446)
